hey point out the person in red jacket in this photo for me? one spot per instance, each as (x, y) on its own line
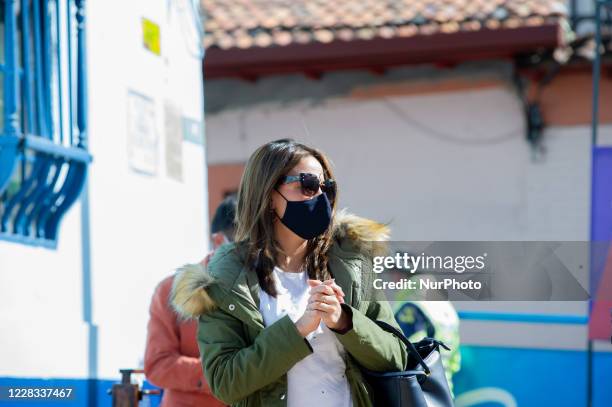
(172, 357)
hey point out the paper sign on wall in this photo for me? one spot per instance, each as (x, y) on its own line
(142, 137)
(174, 141)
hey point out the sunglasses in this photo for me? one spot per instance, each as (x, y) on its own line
(310, 184)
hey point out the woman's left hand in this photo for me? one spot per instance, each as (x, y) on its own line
(326, 300)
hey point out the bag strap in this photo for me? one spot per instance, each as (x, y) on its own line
(409, 345)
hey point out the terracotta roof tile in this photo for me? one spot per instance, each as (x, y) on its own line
(268, 23)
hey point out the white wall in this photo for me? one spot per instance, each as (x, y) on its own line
(40, 296)
(141, 226)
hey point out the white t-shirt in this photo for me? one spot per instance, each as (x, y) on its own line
(318, 379)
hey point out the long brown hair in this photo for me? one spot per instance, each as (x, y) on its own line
(255, 216)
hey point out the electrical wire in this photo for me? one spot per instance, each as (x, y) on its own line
(448, 138)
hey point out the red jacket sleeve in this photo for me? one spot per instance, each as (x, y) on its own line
(164, 365)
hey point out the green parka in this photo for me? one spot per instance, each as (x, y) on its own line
(244, 362)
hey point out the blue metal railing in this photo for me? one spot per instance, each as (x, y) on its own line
(43, 145)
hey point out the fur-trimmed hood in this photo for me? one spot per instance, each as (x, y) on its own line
(190, 289)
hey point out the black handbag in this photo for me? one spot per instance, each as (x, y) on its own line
(421, 384)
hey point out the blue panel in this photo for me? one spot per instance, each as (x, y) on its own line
(601, 233)
(88, 392)
(532, 377)
(601, 208)
(523, 318)
(602, 379)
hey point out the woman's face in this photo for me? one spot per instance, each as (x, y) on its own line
(293, 191)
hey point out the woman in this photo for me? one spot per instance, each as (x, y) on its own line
(282, 318)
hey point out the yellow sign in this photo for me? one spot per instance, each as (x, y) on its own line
(150, 36)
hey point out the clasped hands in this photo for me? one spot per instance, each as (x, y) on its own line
(323, 305)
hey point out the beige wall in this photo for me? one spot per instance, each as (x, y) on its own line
(441, 165)
(223, 179)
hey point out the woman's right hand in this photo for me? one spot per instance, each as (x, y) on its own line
(308, 322)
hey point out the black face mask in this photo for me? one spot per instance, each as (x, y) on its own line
(309, 218)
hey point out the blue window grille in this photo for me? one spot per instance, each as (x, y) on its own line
(43, 139)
